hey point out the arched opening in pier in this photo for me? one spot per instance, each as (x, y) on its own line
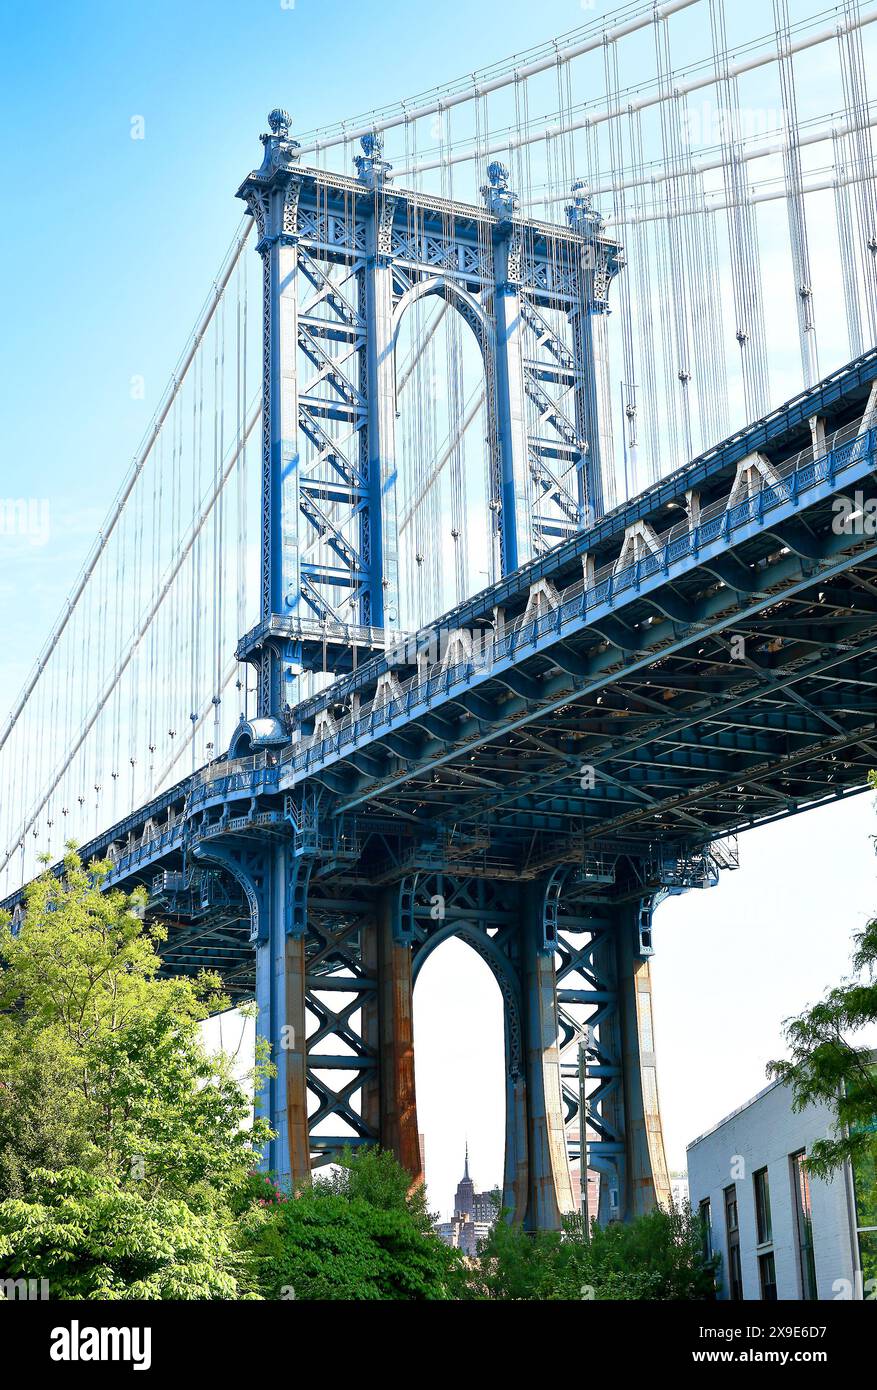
(446, 524)
(459, 1059)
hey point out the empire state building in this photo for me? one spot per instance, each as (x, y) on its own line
(464, 1202)
(474, 1214)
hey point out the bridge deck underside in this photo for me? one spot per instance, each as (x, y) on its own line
(768, 710)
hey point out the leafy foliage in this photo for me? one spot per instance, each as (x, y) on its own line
(125, 1148)
(38, 1113)
(102, 1061)
(375, 1177)
(355, 1235)
(91, 1239)
(658, 1256)
(668, 1245)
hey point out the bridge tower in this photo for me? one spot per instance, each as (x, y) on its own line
(344, 257)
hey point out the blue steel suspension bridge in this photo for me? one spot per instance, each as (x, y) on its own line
(488, 567)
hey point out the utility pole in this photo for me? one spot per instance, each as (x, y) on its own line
(583, 1144)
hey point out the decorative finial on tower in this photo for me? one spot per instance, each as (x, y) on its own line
(581, 214)
(275, 217)
(601, 255)
(280, 150)
(279, 121)
(371, 166)
(498, 173)
(373, 144)
(498, 197)
(466, 1167)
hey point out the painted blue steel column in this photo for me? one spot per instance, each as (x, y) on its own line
(266, 1099)
(589, 470)
(282, 502)
(549, 1187)
(515, 1187)
(274, 883)
(599, 262)
(647, 1180)
(398, 1100)
(381, 390)
(511, 402)
(272, 194)
(637, 1180)
(389, 1100)
(280, 995)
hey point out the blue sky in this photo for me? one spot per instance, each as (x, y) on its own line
(108, 245)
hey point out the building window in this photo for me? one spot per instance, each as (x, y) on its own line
(763, 1227)
(804, 1223)
(735, 1275)
(706, 1229)
(731, 1207)
(767, 1276)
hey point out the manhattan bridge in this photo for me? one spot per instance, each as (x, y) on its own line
(502, 547)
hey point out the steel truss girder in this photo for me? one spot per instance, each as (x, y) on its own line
(661, 589)
(335, 958)
(733, 620)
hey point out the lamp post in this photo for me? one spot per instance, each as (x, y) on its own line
(583, 1144)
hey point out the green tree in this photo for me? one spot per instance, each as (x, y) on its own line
(658, 1256)
(89, 1238)
(38, 1113)
(358, 1234)
(375, 1177)
(665, 1244)
(539, 1266)
(103, 1064)
(825, 1066)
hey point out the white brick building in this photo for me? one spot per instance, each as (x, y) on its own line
(780, 1233)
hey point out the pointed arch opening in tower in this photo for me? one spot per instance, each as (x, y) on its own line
(460, 1079)
(447, 523)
